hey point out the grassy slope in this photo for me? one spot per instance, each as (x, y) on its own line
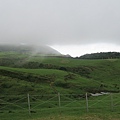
(77, 84)
(105, 73)
(70, 62)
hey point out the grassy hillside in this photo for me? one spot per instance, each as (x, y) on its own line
(23, 73)
(36, 74)
(43, 81)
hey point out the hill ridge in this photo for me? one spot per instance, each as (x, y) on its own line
(101, 55)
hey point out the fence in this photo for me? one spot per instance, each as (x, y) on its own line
(59, 102)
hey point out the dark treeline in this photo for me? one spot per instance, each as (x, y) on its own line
(101, 55)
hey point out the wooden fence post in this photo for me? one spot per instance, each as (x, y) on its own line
(29, 104)
(59, 99)
(87, 102)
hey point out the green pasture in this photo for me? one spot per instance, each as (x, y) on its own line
(75, 84)
(103, 75)
(66, 76)
(70, 62)
(49, 107)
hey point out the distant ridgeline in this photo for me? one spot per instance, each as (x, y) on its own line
(101, 55)
(29, 49)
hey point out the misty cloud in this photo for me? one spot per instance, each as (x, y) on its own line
(60, 22)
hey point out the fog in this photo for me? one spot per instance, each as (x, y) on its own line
(60, 22)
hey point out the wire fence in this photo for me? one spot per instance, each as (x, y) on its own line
(59, 102)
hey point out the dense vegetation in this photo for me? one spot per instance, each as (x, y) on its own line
(101, 55)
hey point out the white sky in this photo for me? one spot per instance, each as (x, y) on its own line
(73, 27)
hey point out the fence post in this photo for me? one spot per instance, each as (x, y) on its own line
(59, 99)
(29, 104)
(111, 101)
(87, 102)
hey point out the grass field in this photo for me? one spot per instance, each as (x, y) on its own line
(53, 115)
(49, 107)
(58, 75)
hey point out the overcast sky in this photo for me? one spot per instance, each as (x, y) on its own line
(70, 26)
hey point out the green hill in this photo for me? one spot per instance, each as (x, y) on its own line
(43, 81)
(101, 55)
(24, 72)
(38, 75)
(28, 49)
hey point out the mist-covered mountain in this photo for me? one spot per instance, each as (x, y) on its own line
(34, 49)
